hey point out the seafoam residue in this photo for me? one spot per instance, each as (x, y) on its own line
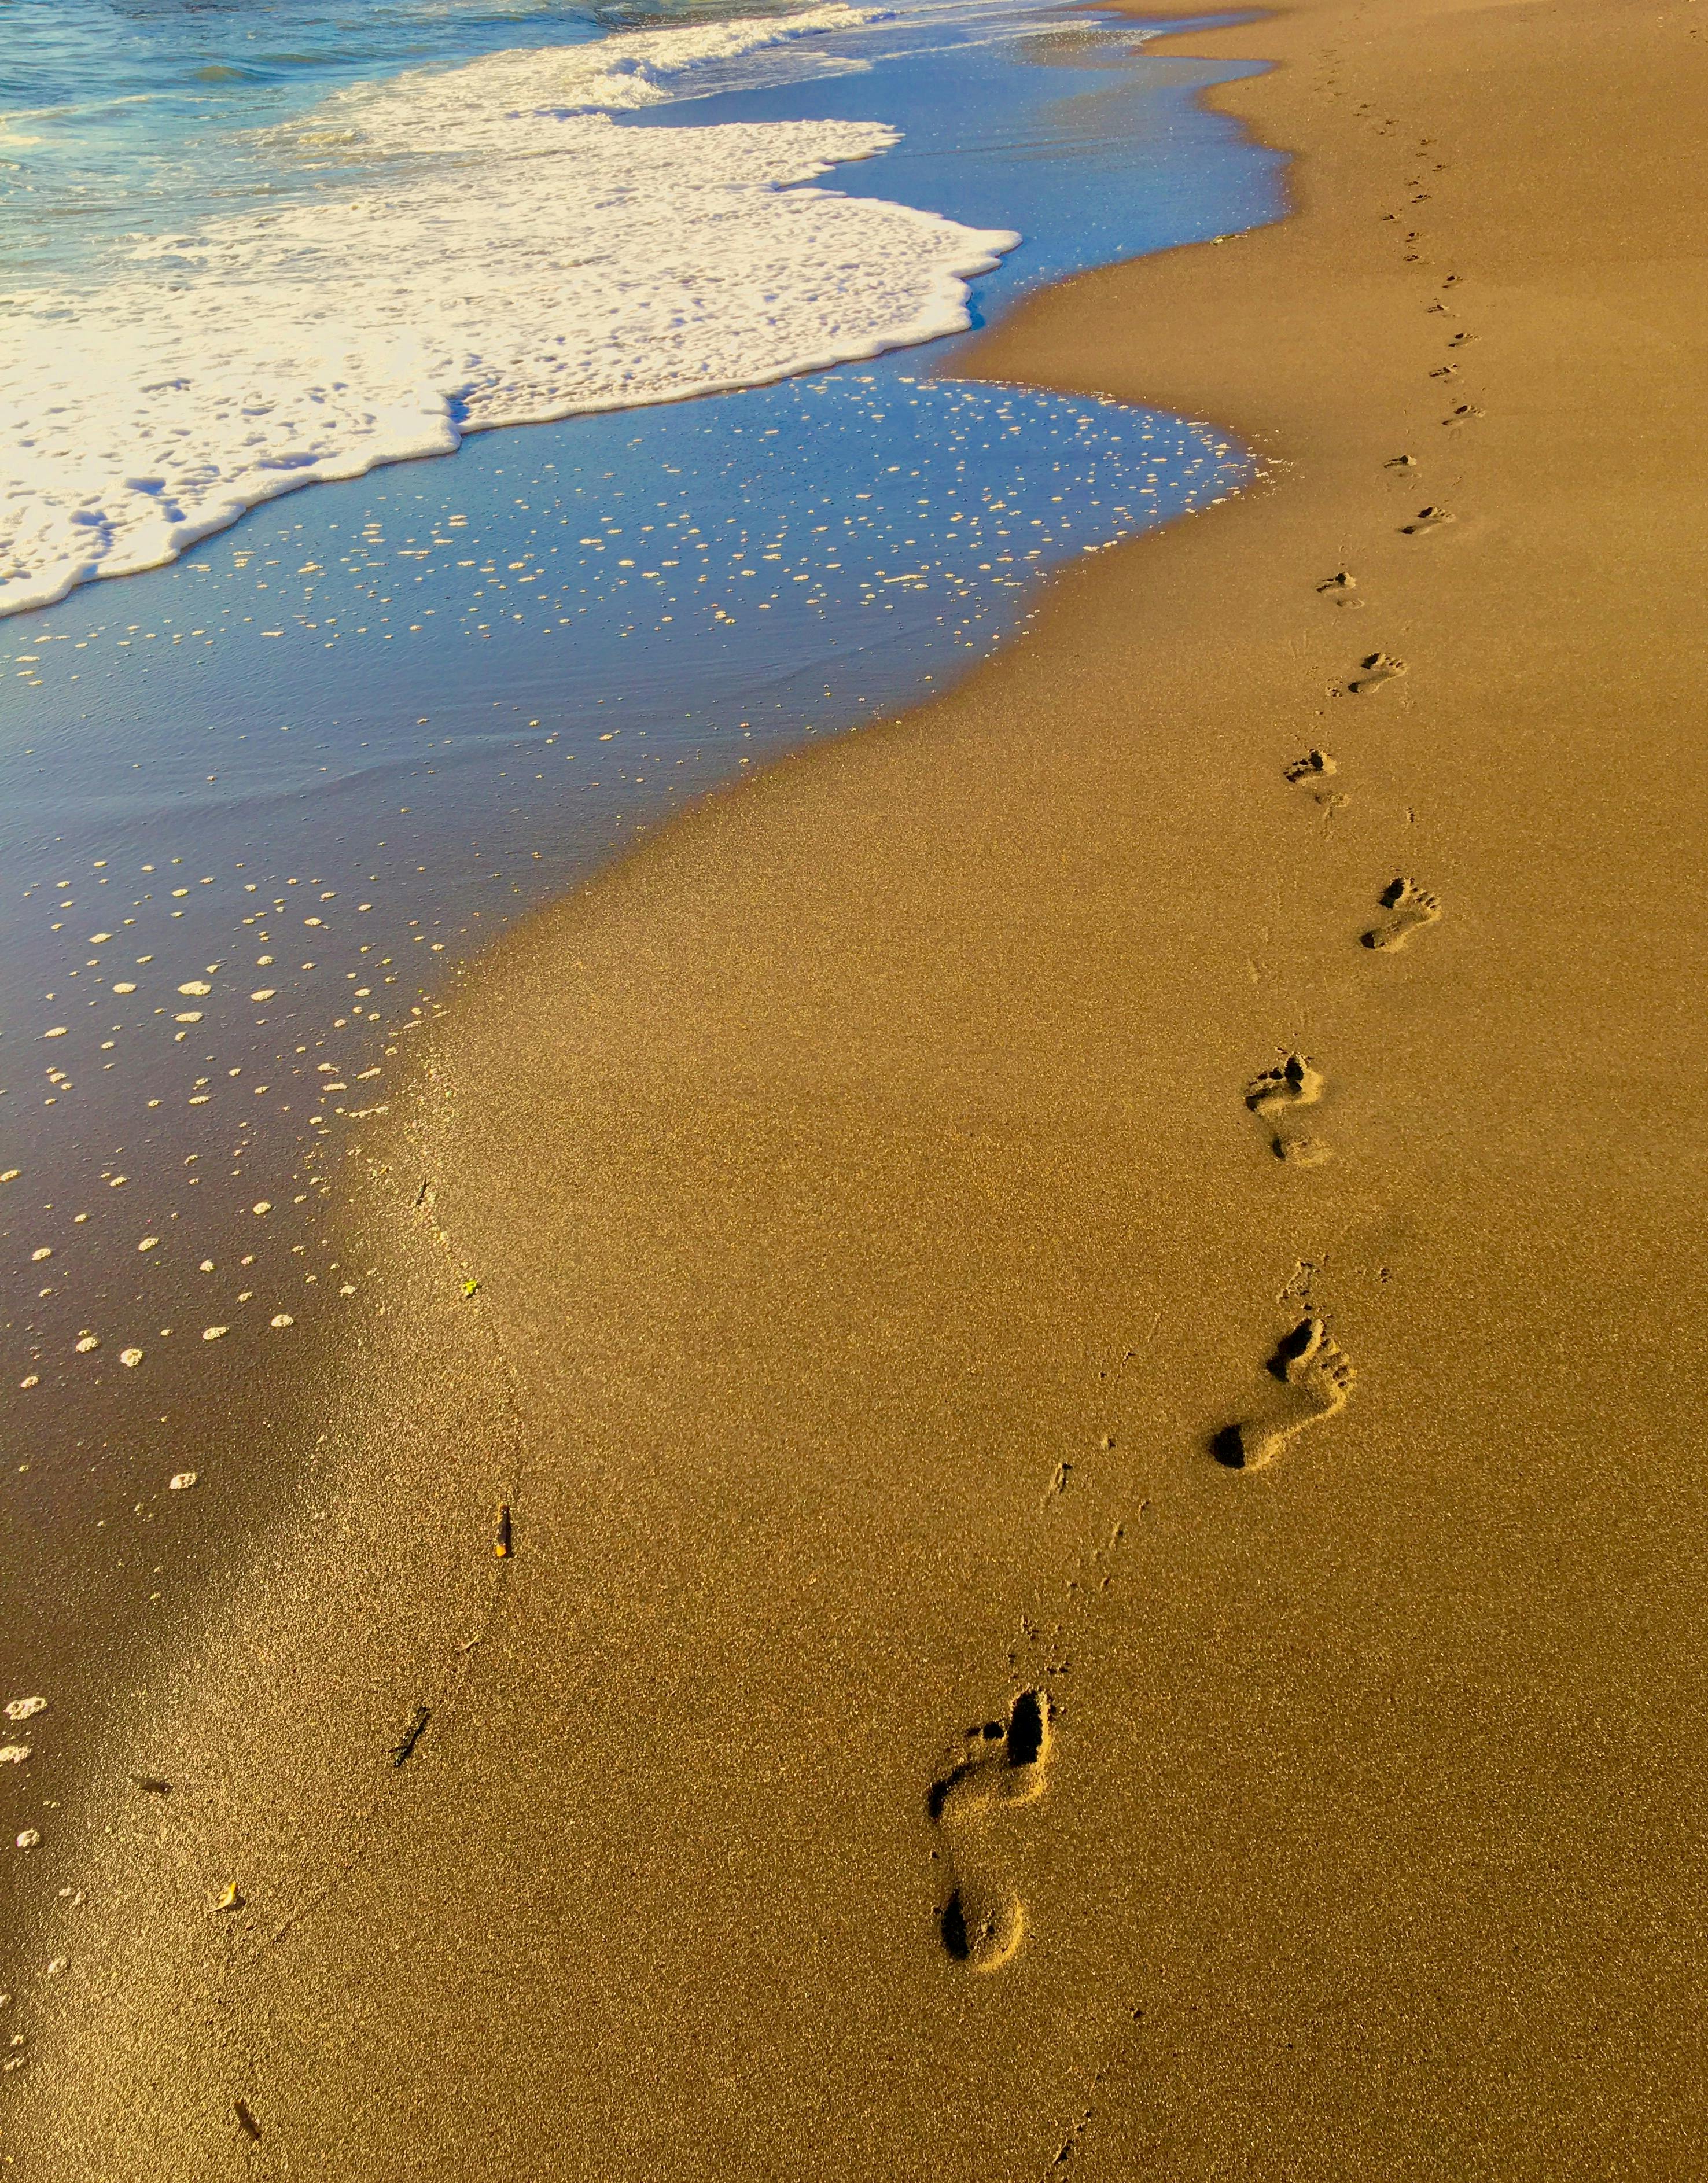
(481, 245)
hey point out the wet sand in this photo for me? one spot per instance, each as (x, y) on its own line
(1097, 1423)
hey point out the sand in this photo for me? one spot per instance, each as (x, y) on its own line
(1090, 1334)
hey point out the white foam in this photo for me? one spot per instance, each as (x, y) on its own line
(506, 102)
(490, 248)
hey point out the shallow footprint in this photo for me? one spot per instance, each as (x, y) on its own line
(1413, 906)
(983, 1920)
(1303, 1152)
(1316, 1375)
(1342, 587)
(1427, 519)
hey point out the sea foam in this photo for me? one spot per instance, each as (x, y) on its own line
(448, 251)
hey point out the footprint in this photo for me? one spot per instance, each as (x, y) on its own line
(1427, 519)
(1303, 1152)
(1313, 766)
(983, 1920)
(1294, 1084)
(1276, 1094)
(1462, 415)
(1311, 773)
(1379, 668)
(1413, 907)
(1340, 587)
(1317, 1375)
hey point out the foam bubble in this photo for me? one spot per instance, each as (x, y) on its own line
(488, 246)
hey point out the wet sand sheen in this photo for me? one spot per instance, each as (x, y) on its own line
(895, 1744)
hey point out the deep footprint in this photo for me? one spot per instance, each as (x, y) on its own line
(1294, 1084)
(983, 1921)
(1316, 1375)
(1379, 668)
(1312, 773)
(1276, 1094)
(1413, 906)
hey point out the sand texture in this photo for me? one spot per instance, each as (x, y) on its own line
(1092, 1325)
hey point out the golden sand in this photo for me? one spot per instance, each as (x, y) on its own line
(1090, 1346)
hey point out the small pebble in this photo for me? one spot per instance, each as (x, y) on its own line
(29, 1839)
(132, 1357)
(196, 988)
(180, 1482)
(25, 1708)
(213, 1333)
(14, 1755)
(149, 1243)
(89, 1341)
(283, 1319)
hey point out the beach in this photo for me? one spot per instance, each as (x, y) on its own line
(1016, 1491)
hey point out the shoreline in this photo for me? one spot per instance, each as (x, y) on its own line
(872, 1189)
(80, 1531)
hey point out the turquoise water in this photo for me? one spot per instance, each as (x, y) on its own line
(117, 119)
(432, 697)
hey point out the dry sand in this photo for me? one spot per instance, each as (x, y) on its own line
(887, 1191)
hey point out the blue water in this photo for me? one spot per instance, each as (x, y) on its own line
(118, 116)
(432, 696)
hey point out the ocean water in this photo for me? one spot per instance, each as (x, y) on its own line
(259, 801)
(414, 257)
